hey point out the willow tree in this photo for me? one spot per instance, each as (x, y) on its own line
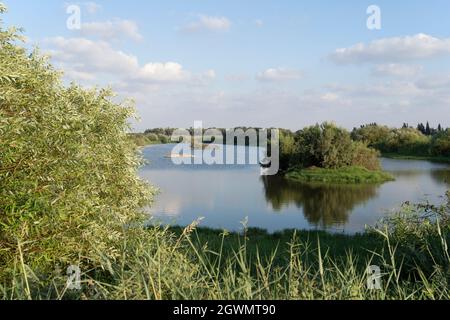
(69, 189)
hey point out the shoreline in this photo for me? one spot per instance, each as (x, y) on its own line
(435, 159)
(345, 175)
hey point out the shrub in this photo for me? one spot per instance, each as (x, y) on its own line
(405, 141)
(68, 174)
(420, 234)
(326, 146)
(366, 157)
(163, 139)
(152, 137)
(440, 145)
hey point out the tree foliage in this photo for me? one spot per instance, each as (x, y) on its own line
(68, 174)
(423, 141)
(325, 146)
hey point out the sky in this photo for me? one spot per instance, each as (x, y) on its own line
(264, 63)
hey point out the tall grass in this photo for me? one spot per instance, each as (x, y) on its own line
(159, 263)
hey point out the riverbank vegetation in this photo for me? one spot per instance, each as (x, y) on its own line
(144, 139)
(70, 195)
(341, 175)
(422, 143)
(326, 153)
(407, 142)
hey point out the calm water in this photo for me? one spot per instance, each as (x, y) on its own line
(226, 195)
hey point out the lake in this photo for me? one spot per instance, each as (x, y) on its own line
(227, 195)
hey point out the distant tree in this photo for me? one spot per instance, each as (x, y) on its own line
(372, 135)
(440, 144)
(428, 129)
(421, 128)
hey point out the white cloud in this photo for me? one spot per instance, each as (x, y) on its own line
(85, 60)
(390, 102)
(210, 74)
(397, 70)
(209, 23)
(87, 56)
(238, 77)
(168, 94)
(259, 23)
(162, 72)
(330, 97)
(92, 7)
(112, 30)
(393, 49)
(435, 82)
(279, 74)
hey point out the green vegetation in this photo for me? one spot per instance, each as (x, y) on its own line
(70, 195)
(411, 157)
(411, 250)
(326, 153)
(341, 175)
(68, 174)
(424, 143)
(144, 139)
(407, 142)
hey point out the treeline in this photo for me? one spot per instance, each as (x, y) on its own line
(164, 135)
(422, 141)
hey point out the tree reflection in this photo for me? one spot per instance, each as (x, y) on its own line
(441, 176)
(323, 205)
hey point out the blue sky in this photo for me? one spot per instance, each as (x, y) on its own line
(256, 63)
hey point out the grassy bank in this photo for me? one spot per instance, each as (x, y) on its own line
(439, 159)
(196, 263)
(143, 140)
(259, 242)
(341, 175)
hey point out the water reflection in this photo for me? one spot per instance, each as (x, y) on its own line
(441, 176)
(322, 205)
(226, 195)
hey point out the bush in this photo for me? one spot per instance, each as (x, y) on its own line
(366, 157)
(405, 141)
(68, 174)
(440, 144)
(373, 135)
(163, 139)
(326, 146)
(152, 137)
(420, 235)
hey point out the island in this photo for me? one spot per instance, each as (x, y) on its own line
(327, 153)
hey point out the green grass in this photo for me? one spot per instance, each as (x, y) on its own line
(439, 159)
(198, 264)
(262, 243)
(343, 175)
